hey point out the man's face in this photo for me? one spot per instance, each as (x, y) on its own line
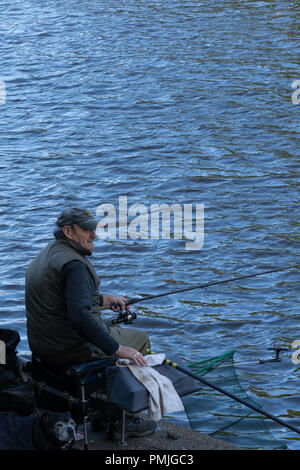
(85, 238)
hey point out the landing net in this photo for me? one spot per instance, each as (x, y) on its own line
(216, 414)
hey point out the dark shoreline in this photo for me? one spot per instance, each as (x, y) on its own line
(168, 437)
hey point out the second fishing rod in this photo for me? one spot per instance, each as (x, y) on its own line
(127, 317)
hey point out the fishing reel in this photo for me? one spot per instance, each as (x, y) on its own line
(125, 317)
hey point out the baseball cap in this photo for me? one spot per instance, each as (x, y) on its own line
(79, 216)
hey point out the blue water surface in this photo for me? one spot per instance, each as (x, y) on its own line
(174, 102)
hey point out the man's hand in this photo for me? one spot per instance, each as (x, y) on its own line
(130, 353)
(115, 303)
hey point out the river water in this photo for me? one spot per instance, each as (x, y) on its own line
(174, 102)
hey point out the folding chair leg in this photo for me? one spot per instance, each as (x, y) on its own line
(83, 401)
(86, 442)
(123, 442)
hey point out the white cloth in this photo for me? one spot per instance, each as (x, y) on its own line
(163, 398)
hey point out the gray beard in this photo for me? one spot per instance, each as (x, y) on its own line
(59, 235)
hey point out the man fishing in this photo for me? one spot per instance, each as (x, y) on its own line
(63, 305)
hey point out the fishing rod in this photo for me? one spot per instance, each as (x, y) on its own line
(201, 286)
(231, 395)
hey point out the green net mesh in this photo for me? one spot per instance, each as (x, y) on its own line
(215, 414)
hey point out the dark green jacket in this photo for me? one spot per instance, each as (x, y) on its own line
(50, 334)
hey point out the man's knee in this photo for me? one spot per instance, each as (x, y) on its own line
(145, 342)
(131, 337)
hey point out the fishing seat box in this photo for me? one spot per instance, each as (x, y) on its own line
(125, 391)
